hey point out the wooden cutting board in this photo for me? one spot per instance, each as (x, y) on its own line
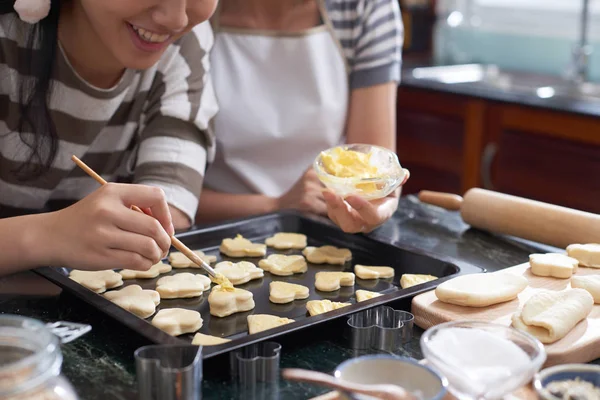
(581, 345)
(526, 393)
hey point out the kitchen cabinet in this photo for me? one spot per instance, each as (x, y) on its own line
(453, 142)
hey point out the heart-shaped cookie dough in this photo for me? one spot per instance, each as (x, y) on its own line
(330, 281)
(363, 295)
(153, 272)
(241, 247)
(97, 281)
(180, 260)
(282, 265)
(262, 322)
(369, 272)
(284, 292)
(226, 302)
(177, 321)
(200, 339)
(240, 272)
(287, 241)
(316, 307)
(327, 255)
(135, 300)
(182, 286)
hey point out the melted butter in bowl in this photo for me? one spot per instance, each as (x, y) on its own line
(367, 171)
(569, 381)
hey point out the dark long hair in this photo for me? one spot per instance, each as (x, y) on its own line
(37, 63)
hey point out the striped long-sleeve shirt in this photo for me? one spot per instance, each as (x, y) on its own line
(153, 127)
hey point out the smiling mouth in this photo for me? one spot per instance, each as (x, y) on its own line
(148, 36)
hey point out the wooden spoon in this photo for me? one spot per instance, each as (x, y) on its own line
(385, 392)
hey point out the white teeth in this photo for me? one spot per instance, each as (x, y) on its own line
(150, 36)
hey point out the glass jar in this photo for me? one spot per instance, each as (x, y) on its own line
(30, 362)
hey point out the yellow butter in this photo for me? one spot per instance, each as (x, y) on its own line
(348, 163)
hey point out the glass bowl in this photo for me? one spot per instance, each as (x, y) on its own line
(388, 177)
(477, 362)
(569, 372)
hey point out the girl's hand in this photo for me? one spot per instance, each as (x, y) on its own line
(306, 195)
(355, 214)
(102, 232)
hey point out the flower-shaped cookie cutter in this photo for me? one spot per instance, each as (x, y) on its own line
(256, 363)
(381, 328)
(169, 372)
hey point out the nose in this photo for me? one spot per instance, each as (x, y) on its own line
(172, 14)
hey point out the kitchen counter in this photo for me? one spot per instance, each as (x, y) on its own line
(100, 364)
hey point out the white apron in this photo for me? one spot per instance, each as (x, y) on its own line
(283, 97)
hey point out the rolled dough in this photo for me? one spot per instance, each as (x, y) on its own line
(316, 307)
(153, 272)
(327, 255)
(284, 292)
(177, 321)
(330, 281)
(481, 290)
(200, 339)
(369, 272)
(97, 281)
(182, 286)
(241, 247)
(282, 265)
(262, 322)
(591, 283)
(180, 260)
(135, 300)
(240, 272)
(588, 255)
(408, 280)
(286, 241)
(553, 264)
(364, 295)
(225, 302)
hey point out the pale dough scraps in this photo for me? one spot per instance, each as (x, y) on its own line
(225, 302)
(316, 307)
(408, 280)
(287, 241)
(182, 286)
(371, 272)
(481, 290)
(180, 260)
(551, 315)
(553, 264)
(200, 339)
(153, 272)
(588, 255)
(135, 300)
(591, 283)
(330, 281)
(240, 272)
(282, 265)
(97, 281)
(327, 255)
(262, 322)
(241, 247)
(363, 295)
(177, 321)
(283, 292)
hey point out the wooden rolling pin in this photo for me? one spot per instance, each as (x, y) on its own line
(516, 216)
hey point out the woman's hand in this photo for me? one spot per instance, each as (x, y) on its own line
(355, 214)
(305, 195)
(102, 232)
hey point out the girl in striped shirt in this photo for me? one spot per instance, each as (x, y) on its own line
(122, 84)
(293, 78)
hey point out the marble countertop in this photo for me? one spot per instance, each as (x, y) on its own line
(100, 365)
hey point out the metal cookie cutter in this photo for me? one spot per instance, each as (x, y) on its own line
(256, 363)
(381, 328)
(169, 372)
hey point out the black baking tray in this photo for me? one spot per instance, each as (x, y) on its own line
(365, 250)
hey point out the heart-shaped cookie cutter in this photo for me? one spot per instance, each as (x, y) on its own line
(381, 328)
(169, 372)
(256, 363)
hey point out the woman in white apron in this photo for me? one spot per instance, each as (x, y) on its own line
(292, 78)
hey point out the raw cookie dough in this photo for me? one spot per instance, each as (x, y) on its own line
(224, 302)
(153, 272)
(240, 247)
(316, 307)
(363, 295)
(283, 292)
(408, 280)
(588, 255)
(287, 241)
(327, 255)
(279, 264)
(240, 272)
(200, 339)
(553, 264)
(135, 300)
(177, 321)
(591, 283)
(330, 281)
(97, 281)
(481, 290)
(369, 272)
(182, 286)
(550, 315)
(180, 260)
(262, 322)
